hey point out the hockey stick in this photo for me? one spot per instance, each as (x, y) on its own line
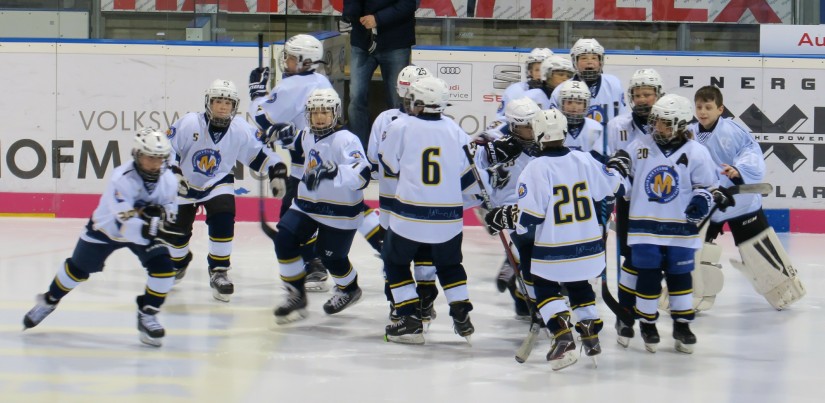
(762, 188)
(523, 352)
(268, 230)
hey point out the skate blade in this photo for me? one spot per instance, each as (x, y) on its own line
(469, 340)
(293, 316)
(684, 348)
(623, 341)
(567, 359)
(651, 348)
(150, 341)
(317, 286)
(405, 339)
(426, 325)
(220, 297)
(595, 361)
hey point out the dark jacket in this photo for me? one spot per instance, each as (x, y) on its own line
(395, 20)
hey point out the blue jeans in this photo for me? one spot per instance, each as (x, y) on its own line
(362, 66)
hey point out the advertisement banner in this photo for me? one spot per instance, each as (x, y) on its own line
(694, 11)
(779, 104)
(792, 39)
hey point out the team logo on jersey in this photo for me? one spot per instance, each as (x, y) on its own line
(170, 132)
(356, 154)
(118, 197)
(272, 98)
(522, 190)
(597, 113)
(206, 162)
(313, 159)
(662, 184)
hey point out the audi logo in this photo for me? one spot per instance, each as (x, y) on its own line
(450, 70)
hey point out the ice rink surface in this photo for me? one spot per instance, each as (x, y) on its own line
(88, 349)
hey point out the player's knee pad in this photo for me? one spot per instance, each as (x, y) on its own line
(221, 225)
(769, 269)
(160, 265)
(287, 245)
(76, 273)
(424, 271)
(580, 294)
(180, 263)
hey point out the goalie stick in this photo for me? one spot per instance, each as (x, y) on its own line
(523, 352)
(762, 188)
(268, 230)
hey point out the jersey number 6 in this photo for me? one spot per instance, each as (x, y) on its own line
(430, 170)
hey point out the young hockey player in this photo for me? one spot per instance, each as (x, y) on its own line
(555, 70)
(606, 90)
(281, 113)
(674, 187)
(426, 155)
(136, 211)
(329, 201)
(533, 79)
(583, 133)
(206, 146)
(739, 160)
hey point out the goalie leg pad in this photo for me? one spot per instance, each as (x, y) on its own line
(767, 266)
(708, 279)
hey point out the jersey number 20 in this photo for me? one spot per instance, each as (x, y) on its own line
(581, 204)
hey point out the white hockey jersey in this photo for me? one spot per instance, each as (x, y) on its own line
(115, 218)
(507, 194)
(207, 161)
(588, 137)
(661, 191)
(386, 183)
(287, 103)
(337, 202)
(606, 99)
(428, 158)
(622, 130)
(556, 193)
(729, 143)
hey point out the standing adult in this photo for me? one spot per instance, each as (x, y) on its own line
(383, 33)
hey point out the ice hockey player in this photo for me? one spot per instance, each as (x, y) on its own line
(739, 160)
(426, 155)
(606, 90)
(583, 133)
(282, 111)
(533, 79)
(137, 211)
(423, 270)
(329, 200)
(673, 188)
(507, 149)
(206, 146)
(644, 89)
(555, 70)
(556, 191)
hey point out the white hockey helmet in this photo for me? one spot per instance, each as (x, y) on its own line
(537, 55)
(571, 90)
(556, 63)
(549, 125)
(519, 114)
(221, 89)
(644, 78)
(430, 92)
(587, 46)
(675, 111)
(409, 75)
(153, 143)
(307, 49)
(323, 99)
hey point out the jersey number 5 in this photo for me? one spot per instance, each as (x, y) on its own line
(581, 204)
(430, 170)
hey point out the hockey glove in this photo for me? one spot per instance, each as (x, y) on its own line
(277, 180)
(183, 184)
(257, 82)
(723, 198)
(313, 177)
(499, 177)
(699, 206)
(620, 162)
(501, 218)
(157, 224)
(505, 150)
(279, 133)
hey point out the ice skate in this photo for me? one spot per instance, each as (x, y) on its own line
(394, 317)
(408, 330)
(293, 308)
(650, 335)
(151, 331)
(461, 322)
(624, 332)
(39, 312)
(222, 287)
(180, 272)
(562, 353)
(685, 339)
(342, 300)
(316, 279)
(428, 313)
(590, 338)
